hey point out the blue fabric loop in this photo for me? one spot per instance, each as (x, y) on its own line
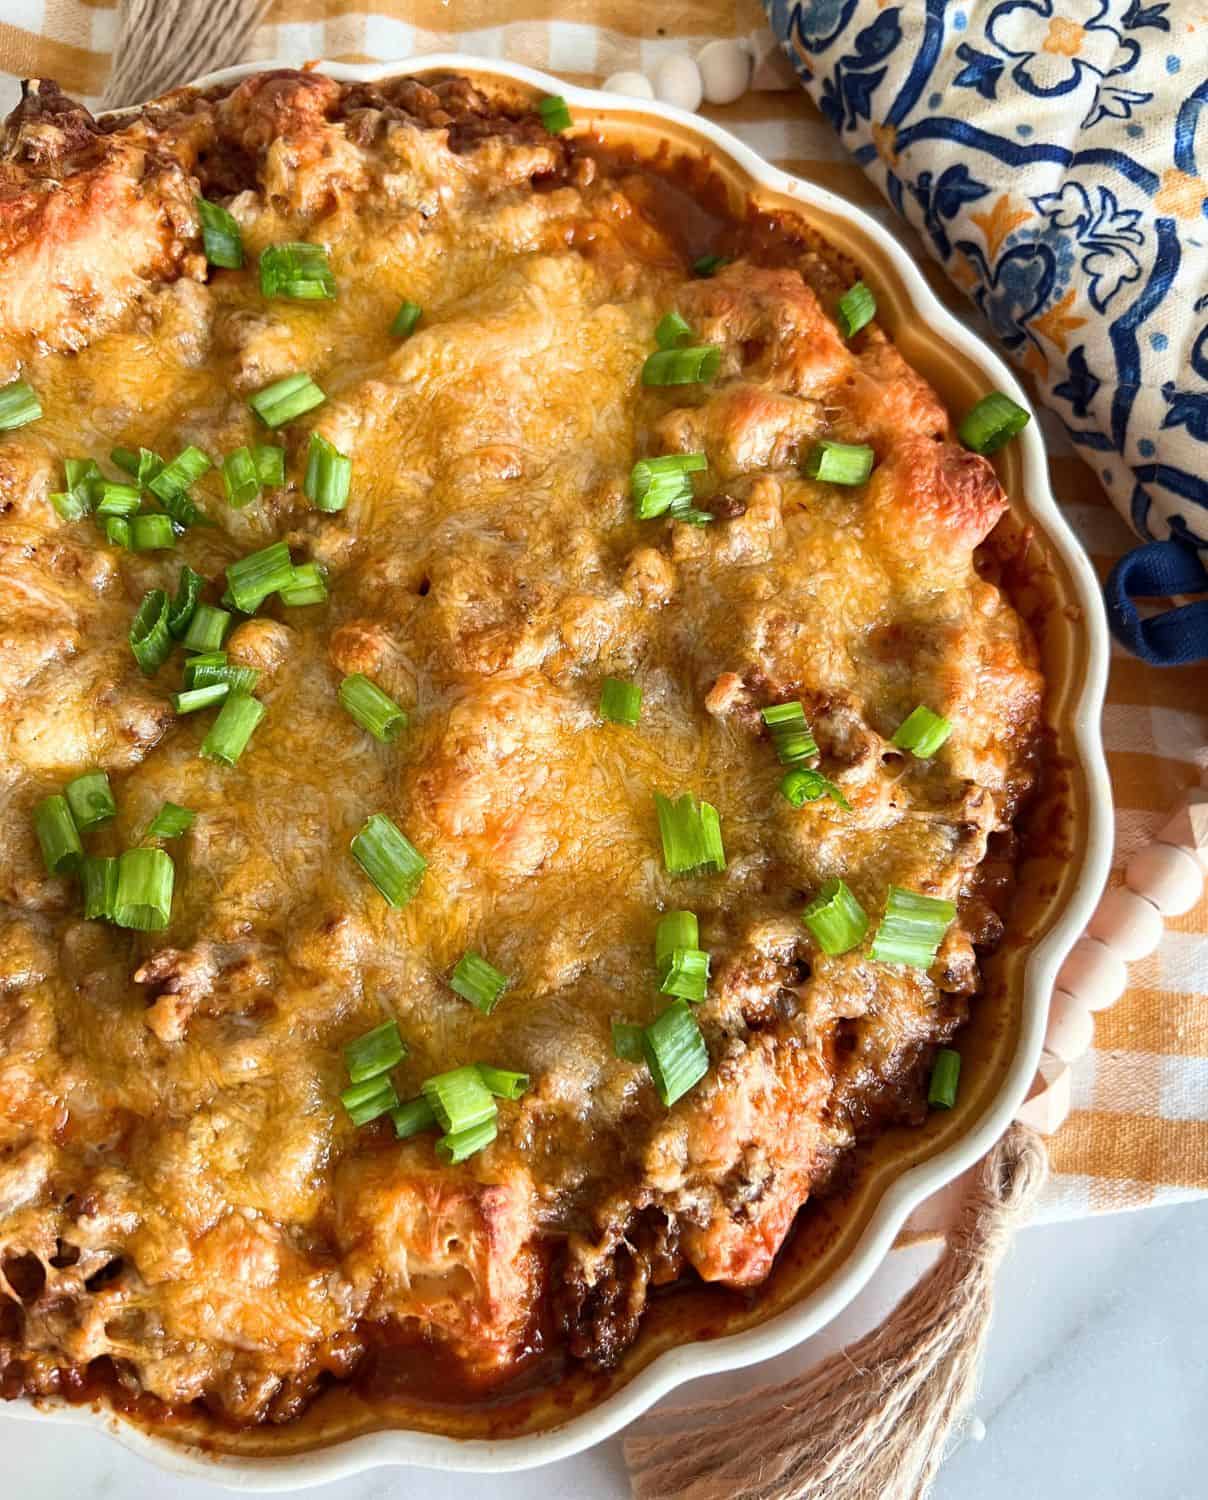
(1177, 637)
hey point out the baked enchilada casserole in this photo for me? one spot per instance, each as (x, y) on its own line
(510, 732)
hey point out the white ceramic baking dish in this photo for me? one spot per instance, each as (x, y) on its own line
(1079, 659)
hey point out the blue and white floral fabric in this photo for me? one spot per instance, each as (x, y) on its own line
(1054, 156)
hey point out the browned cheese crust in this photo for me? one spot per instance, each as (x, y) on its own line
(182, 1197)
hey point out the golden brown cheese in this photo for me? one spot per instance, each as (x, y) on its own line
(181, 1192)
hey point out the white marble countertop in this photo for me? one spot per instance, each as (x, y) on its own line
(1096, 1384)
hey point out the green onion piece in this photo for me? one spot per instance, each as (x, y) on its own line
(406, 320)
(207, 629)
(459, 1098)
(992, 423)
(672, 330)
(686, 973)
(306, 586)
(675, 1052)
(240, 479)
(945, 1076)
(620, 702)
(790, 733)
(99, 877)
(117, 531)
(802, 785)
(836, 919)
(369, 1100)
(328, 475)
(193, 699)
(390, 859)
(628, 1042)
(184, 606)
(220, 235)
(151, 533)
(502, 1083)
(656, 485)
(922, 732)
(912, 928)
(70, 506)
(213, 668)
(376, 1052)
(458, 1144)
(171, 821)
(691, 835)
(149, 637)
(270, 464)
(83, 478)
(57, 834)
(142, 465)
(118, 499)
(709, 265)
(839, 463)
(682, 366)
(90, 798)
(372, 709)
(678, 929)
(412, 1118)
(80, 472)
(232, 729)
(298, 270)
(286, 399)
(478, 982)
(170, 486)
(254, 577)
(19, 405)
(857, 306)
(555, 115)
(143, 899)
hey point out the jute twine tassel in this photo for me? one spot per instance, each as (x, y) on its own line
(163, 43)
(871, 1422)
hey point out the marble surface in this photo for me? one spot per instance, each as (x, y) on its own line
(1096, 1384)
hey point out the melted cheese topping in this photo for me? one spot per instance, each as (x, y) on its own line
(180, 1189)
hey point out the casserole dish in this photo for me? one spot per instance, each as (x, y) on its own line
(841, 1239)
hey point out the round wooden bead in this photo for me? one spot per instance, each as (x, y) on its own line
(677, 81)
(1071, 1028)
(1048, 1105)
(725, 70)
(1167, 876)
(1093, 974)
(1127, 923)
(635, 85)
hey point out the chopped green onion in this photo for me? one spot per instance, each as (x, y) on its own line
(459, 1098)
(922, 732)
(117, 531)
(802, 785)
(478, 982)
(390, 859)
(80, 472)
(709, 265)
(839, 463)
(912, 928)
(328, 475)
(99, 877)
(857, 306)
(628, 1042)
(406, 320)
(170, 486)
(117, 499)
(286, 399)
(207, 629)
(790, 733)
(412, 1118)
(677, 929)
(184, 606)
(372, 709)
(682, 366)
(90, 798)
(83, 477)
(69, 505)
(298, 270)
(149, 637)
(555, 115)
(193, 699)
(992, 423)
(686, 973)
(307, 585)
(458, 1144)
(945, 1076)
(240, 479)
(19, 405)
(376, 1052)
(836, 919)
(658, 485)
(142, 465)
(232, 729)
(270, 464)
(220, 235)
(502, 1083)
(213, 668)
(57, 834)
(171, 821)
(691, 835)
(254, 577)
(369, 1100)
(620, 702)
(675, 1052)
(672, 330)
(151, 533)
(143, 899)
